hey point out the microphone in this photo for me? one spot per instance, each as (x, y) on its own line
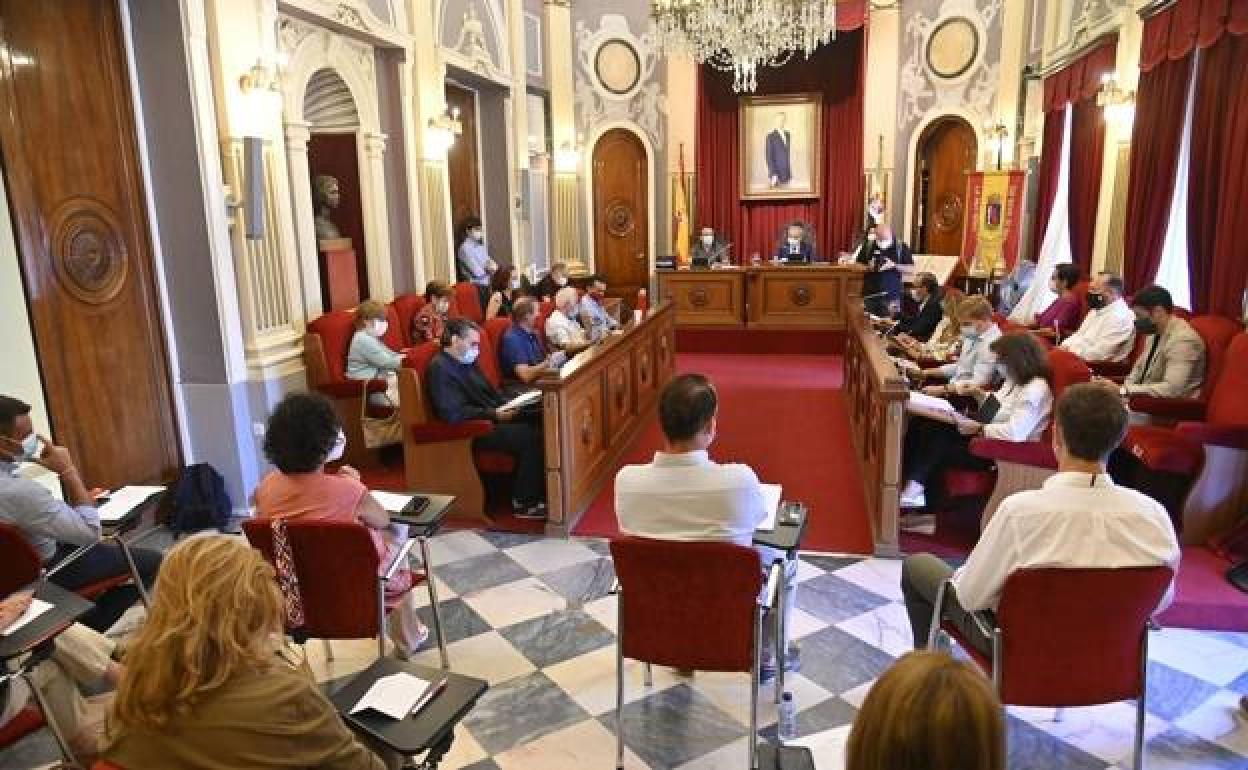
(877, 294)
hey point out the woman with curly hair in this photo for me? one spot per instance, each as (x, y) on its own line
(208, 683)
(303, 435)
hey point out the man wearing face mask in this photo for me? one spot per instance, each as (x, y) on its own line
(707, 249)
(553, 281)
(460, 392)
(594, 317)
(369, 358)
(56, 528)
(563, 331)
(656, 500)
(1172, 364)
(881, 286)
(795, 249)
(472, 260)
(1108, 330)
(428, 322)
(926, 295)
(1079, 519)
(977, 363)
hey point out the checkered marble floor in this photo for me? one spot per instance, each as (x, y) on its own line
(533, 616)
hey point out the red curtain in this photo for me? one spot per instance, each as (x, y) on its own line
(1155, 138)
(1076, 84)
(835, 71)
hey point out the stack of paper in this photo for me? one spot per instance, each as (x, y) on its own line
(396, 695)
(771, 504)
(931, 406)
(392, 501)
(124, 500)
(524, 399)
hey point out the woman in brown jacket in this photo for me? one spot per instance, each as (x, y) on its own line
(207, 686)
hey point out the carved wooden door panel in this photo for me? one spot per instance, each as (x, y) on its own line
(621, 218)
(462, 163)
(948, 152)
(70, 158)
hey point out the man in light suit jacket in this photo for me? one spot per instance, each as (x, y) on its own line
(779, 171)
(1172, 363)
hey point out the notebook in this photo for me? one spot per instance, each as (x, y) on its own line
(396, 695)
(524, 399)
(771, 504)
(931, 406)
(37, 607)
(122, 501)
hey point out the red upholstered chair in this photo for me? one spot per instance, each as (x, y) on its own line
(467, 302)
(544, 310)
(325, 347)
(1217, 332)
(438, 457)
(406, 307)
(691, 605)
(1070, 637)
(334, 599)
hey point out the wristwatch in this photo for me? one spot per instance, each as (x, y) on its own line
(1122, 391)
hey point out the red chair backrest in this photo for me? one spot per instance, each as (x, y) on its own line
(20, 564)
(1217, 332)
(1072, 636)
(336, 563)
(335, 330)
(687, 604)
(494, 330)
(1228, 404)
(1068, 369)
(406, 306)
(395, 336)
(1081, 292)
(544, 310)
(487, 361)
(468, 302)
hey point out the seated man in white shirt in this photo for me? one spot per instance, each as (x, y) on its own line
(1108, 330)
(1079, 518)
(563, 331)
(684, 495)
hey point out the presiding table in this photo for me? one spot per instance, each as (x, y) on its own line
(876, 393)
(596, 404)
(770, 297)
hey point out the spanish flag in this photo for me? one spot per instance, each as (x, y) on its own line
(680, 215)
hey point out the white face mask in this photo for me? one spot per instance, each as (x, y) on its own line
(477, 235)
(379, 328)
(915, 295)
(1003, 372)
(442, 306)
(707, 240)
(335, 452)
(515, 281)
(561, 280)
(870, 236)
(968, 331)
(30, 449)
(469, 356)
(794, 241)
(885, 244)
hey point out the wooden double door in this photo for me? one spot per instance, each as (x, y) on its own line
(70, 158)
(621, 213)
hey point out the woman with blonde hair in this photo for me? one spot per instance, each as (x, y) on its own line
(208, 685)
(929, 712)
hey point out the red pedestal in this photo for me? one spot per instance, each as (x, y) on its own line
(340, 279)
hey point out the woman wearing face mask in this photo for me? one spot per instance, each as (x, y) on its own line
(369, 358)
(302, 436)
(428, 322)
(1062, 316)
(1018, 411)
(504, 286)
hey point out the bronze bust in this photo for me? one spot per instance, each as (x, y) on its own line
(326, 197)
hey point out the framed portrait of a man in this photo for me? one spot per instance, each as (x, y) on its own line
(780, 148)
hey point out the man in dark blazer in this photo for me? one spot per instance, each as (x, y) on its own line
(927, 297)
(779, 171)
(795, 248)
(881, 286)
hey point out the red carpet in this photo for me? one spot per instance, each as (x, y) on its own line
(784, 415)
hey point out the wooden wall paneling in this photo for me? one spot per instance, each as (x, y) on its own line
(462, 164)
(705, 298)
(70, 156)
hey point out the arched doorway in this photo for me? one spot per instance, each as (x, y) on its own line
(945, 154)
(621, 206)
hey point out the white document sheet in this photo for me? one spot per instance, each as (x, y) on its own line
(395, 695)
(523, 399)
(931, 406)
(124, 500)
(392, 501)
(37, 607)
(771, 504)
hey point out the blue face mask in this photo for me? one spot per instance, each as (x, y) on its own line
(470, 356)
(30, 449)
(1003, 372)
(968, 331)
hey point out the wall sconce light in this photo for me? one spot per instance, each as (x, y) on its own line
(568, 157)
(261, 87)
(998, 136)
(442, 131)
(260, 78)
(1116, 103)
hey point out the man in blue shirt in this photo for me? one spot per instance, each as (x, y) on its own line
(594, 317)
(521, 355)
(472, 260)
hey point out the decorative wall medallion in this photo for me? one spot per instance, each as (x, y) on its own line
(801, 295)
(620, 220)
(345, 14)
(88, 251)
(948, 213)
(699, 298)
(952, 47)
(618, 66)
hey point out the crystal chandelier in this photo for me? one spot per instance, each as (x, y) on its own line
(739, 36)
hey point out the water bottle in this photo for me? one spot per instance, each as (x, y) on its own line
(786, 726)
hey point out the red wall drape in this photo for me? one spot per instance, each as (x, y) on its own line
(836, 71)
(1076, 84)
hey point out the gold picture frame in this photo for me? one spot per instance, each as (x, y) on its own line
(776, 133)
